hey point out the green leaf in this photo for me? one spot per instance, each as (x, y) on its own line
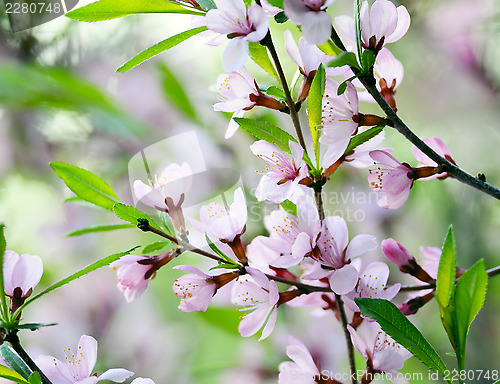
(86, 185)
(394, 323)
(258, 53)
(113, 9)
(92, 267)
(35, 378)
(330, 48)
(344, 58)
(367, 60)
(447, 271)
(9, 374)
(276, 3)
(132, 214)
(267, 132)
(34, 326)
(363, 137)
(469, 299)
(275, 92)
(342, 87)
(156, 246)
(289, 207)
(3, 300)
(225, 266)
(315, 107)
(280, 17)
(357, 26)
(14, 361)
(175, 92)
(162, 46)
(99, 228)
(206, 4)
(214, 248)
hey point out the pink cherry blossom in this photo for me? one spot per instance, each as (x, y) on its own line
(21, 274)
(373, 284)
(311, 15)
(195, 289)
(381, 352)
(171, 185)
(388, 70)
(381, 25)
(440, 148)
(360, 157)
(284, 171)
(390, 178)
(135, 272)
(78, 366)
(339, 119)
(261, 256)
(231, 17)
(260, 295)
(302, 369)
(221, 222)
(235, 91)
(293, 237)
(336, 252)
(271, 10)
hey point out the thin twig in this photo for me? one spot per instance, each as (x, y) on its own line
(350, 347)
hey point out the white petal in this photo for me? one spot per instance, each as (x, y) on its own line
(235, 54)
(118, 375)
(344, 280)
(317, 27)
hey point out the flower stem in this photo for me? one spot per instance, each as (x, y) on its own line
(350, 347)
(268, 42)
(13, 339)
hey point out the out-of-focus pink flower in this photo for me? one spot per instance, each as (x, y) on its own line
(135, 272)
(195, 289)
(293, 237)
(141, 380)
(440, 148)
(78, 366)
(373, 284)
(302, 369)
(21, 274)
(260, 295)
(284, 171)
(336, 252)
(400, 256)
(381, 25)
(231, 17)
(381, 352)
(311, 15)
(391, 178)
(223, 223)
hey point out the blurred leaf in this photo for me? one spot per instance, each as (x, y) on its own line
(3, 299)
(289, 207)
(344, 58)
(162, 46)
(131, 214)
(227, 319)
(35, 378)
(86, 185)
(447, 271)
(9, 374)
(112, 9)
(258, 53)
(395, 324)
(175, 92)
(34, 326)
(280, 18)
(206, 4)
(276, 3)
(92, 267)
(276, 92)
(469, 299)
(99, 228)
(315, 107)
(267, 132)
(14, 361)
(367, 60)
(363, 137)
(330, 48)
(156, 246)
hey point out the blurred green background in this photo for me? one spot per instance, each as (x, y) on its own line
(61, 100)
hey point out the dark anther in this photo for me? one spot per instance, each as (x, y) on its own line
(143, 224)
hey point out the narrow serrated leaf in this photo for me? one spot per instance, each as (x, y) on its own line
(35, 378)
(267, 132)
(113, 9)
(275, 91)
(14, 361)
(175, 92)
(86, 185)
(276, 3)
(258, 53)
(315, 107)
(468, 301)
(34, 326)
(132, 214)
(394, 323)
(9, 374)
(99, 228)
(447, 271)
(367, 60)
(156, 246)
(330, 48)
(214, 248)
(162, 46)
(90, 268)
(289, 207)
(363, 137)
(344, 58)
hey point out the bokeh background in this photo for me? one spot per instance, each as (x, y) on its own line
(61, 100)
